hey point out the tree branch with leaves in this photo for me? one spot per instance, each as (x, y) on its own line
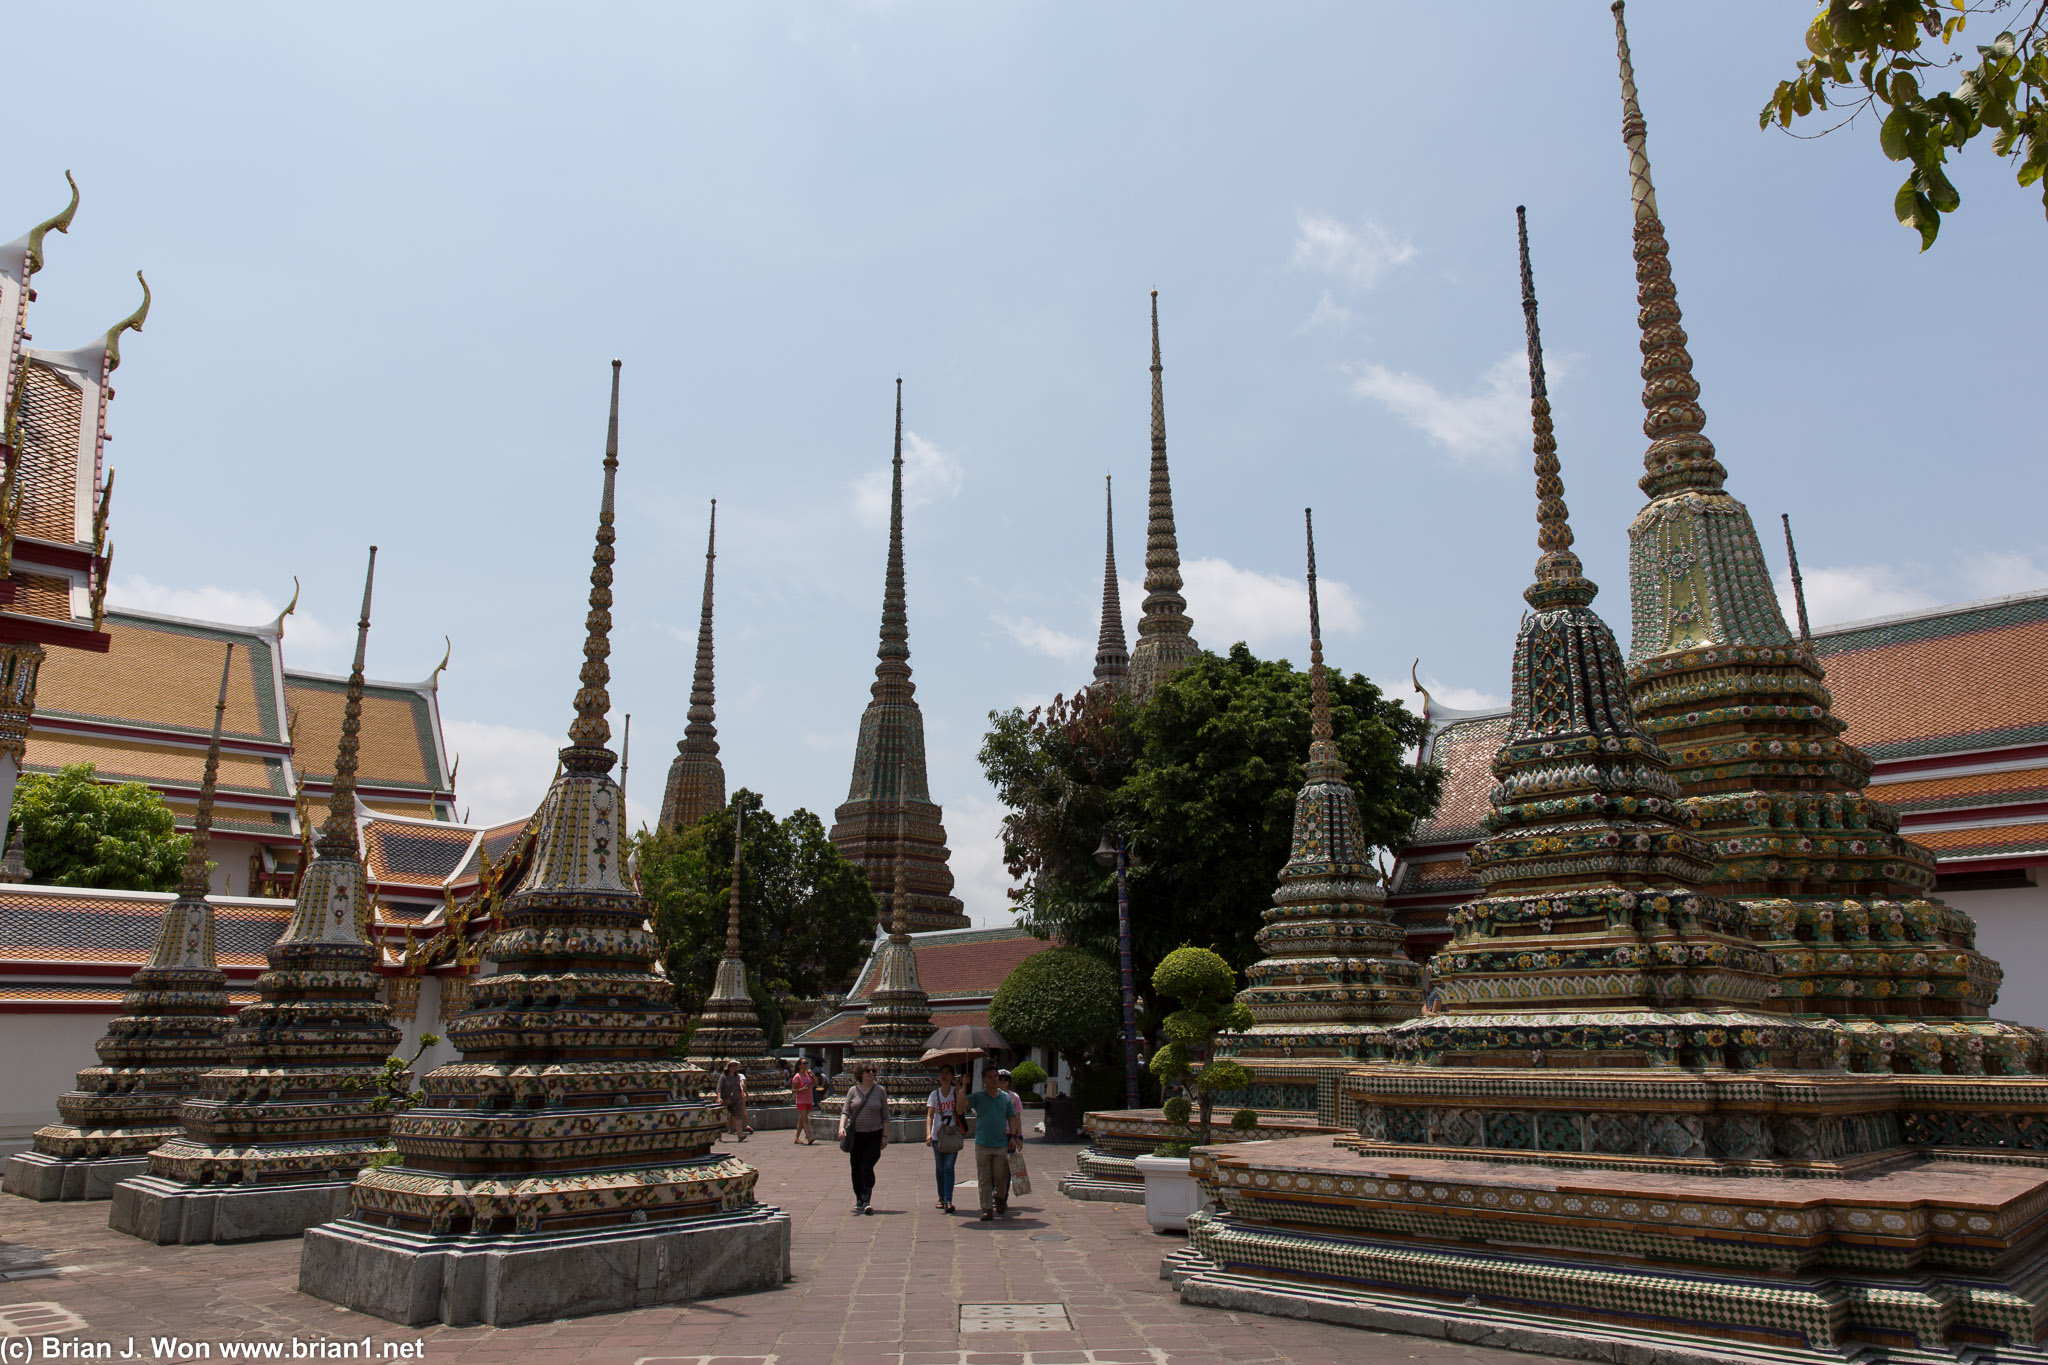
(1871, 55)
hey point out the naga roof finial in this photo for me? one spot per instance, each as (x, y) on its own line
(1560, 578)
(277, 626)
(433, 682)
(1680, 455)
(131, 323)
(196, 882)
(590, 730)
(338, 834)
(60, 223)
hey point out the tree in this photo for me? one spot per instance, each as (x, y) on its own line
(806, 914)
(1066, 999)
(1205, 989)
(1869, 53)
(1200, 779)
(78, 831)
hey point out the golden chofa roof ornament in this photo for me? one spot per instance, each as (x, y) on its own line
(57, 222)
(568, 1135)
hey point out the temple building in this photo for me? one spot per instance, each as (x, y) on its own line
(1166, 643)
(55, 495)
(889, 812)
(696, 779)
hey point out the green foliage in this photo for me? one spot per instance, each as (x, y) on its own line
(1173, 1149)
(1870, 54)
(1244, 1120)
(1027, 1076)
(1065, 999)
(1100, 1085)
(77, 831)
(1201, 780)
(395, 1092)
(1177, 1109)
(1204, 987)
(806, 914)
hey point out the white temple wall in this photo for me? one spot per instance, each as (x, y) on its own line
(41, 1060)
(2012, 929)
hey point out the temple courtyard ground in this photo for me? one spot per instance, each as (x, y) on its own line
(882, 1290)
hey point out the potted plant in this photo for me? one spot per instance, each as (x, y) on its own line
(1201, 983)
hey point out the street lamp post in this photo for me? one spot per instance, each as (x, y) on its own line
(1105, 854)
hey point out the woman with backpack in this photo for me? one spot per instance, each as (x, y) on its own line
(864, 1132)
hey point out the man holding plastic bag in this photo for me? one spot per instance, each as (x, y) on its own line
(998, 1131)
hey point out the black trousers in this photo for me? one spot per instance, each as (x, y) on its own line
(867, 1150)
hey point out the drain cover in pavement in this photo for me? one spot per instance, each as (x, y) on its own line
(1014, 1317)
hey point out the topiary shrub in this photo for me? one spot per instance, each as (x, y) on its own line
(1027, 1076)
(1244, 1120)
(1202, 984)
(1063, 999)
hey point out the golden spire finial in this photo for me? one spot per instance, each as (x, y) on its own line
(1324, 764)
(1798, 584)
(589, 731)
(1560, 578)
(899, 895)
(60, 223)
(1680, 456)
(132, 323)
(338, 834)
(196, 882)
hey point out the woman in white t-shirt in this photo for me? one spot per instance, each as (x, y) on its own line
(942, 1131)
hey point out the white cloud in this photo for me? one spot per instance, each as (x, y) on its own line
(1998, 573)
(1852, 593)
(1486, 424)
(1329, 313)
(974, 833)
(1358, 258)
(1043, 639)
(929, 473)
(505, 769)
(305, 634)
(1266, 611)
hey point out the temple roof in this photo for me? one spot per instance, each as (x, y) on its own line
(959, 970)
(66, 948)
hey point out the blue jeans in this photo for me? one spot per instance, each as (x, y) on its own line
(942, 1164)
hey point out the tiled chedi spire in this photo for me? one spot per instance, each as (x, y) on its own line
(1743, 710)
(889, 814)
(1165, 644)
(730, 1027)
(1112, 659)
(299, 1101)
(1335, 972)
(1593, 945)
(568, 1109)
(169, 1029)
(898, 1019)
(696, 779)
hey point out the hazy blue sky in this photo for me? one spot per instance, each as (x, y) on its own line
(394, 248)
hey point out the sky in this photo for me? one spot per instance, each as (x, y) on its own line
(394, 249)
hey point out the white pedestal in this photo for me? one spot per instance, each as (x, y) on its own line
(1171, 1194)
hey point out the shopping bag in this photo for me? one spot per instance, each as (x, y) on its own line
(1020, 1178)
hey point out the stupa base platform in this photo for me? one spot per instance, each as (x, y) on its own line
(35, 1175)
(1104, 1178)
(825, 1128)
(1929, 1257)
(169, 1213)
(415, 1279)
(1135, 1132)
(769, 1118)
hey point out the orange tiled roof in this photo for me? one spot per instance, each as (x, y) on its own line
(1971, 789)
(125, 759)
(1983, 841)
(1971, 676)
(1465, 750)
(165, 674)
(397, 735)
(405, 853)
(53, 418)
(60, 925)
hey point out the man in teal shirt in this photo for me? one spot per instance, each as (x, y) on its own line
(998, 1127)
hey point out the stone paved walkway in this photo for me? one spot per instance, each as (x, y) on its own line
(881, 1290)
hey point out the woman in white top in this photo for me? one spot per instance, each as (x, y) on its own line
(942, 1130)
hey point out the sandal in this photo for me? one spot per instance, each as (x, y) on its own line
(949, 1208)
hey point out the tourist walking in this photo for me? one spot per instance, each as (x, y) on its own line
(803, 1083)
(942, 1109)
(998, 1131)
(732, 1088)
(864, 1132)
